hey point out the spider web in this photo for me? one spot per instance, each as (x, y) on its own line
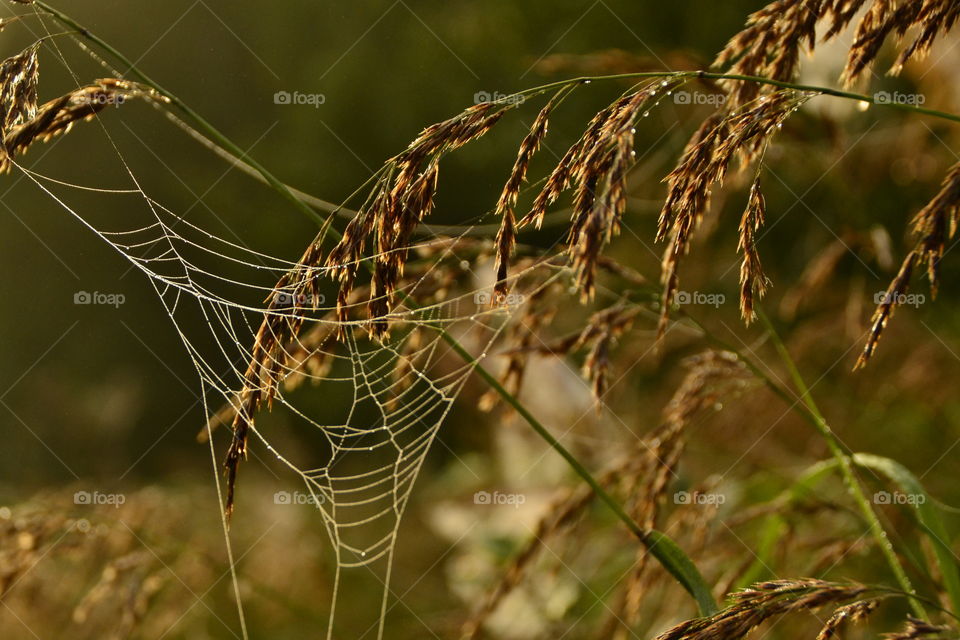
(387, 399)
(374, 407)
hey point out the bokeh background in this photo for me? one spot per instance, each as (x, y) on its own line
(102, 398)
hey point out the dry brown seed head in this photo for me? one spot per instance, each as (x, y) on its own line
(936, 223)
(745, 132)
(753, 281)
(58, 116)
(885, 309)
(853, 612)
(506, 236)
(916, 628)
(18, 88)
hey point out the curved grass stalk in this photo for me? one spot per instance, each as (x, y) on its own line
(309, 204)
(667, 552)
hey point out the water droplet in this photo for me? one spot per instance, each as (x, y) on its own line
(633, 129)
(664, 83)
(646, 113)
(464, 265)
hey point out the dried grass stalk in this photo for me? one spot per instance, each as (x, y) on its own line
(894, 293)
(769, 46)
(850, 613)
(753, 606)
(58, 116)
(771, 42)
(936, 223)
(915, 628)
(506, 236)
(401, 199)
(933, 226)
(597, 337)
(753, 281)
(19, 76)
(561, 514)
(705, 163)
(595, 167)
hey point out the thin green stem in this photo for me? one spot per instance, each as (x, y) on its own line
(656, 542)
(807, 408)
(716, 75)
(914, 596)
(844, 459)
(212, 131)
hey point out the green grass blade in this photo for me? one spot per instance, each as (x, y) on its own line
(681, 567)
(930, 520)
